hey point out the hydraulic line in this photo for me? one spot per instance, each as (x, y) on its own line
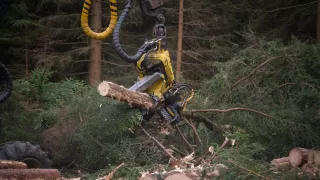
(4, 73)
(85, 20)
(116, 38)
(4, 5)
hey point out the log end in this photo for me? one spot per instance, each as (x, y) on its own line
(295, 157)
(103, 88)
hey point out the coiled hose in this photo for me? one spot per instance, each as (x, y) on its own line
(5, 75)
(112, 24)
(116, 38)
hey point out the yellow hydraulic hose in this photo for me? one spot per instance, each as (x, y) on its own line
(112, 24)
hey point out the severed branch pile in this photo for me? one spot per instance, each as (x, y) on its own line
(306, 159)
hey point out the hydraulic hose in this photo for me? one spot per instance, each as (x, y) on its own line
(116, 38)
(85, 17)
(4, 73)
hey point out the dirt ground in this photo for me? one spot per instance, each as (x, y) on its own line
(57, 140)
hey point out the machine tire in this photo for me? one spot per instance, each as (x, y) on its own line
(25, 152)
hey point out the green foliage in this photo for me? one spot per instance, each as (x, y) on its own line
(39, 80)
(284, 87)
(35, 104)
(105, 132)
(64, 92)
(220, 45)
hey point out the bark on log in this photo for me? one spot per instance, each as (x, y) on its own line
(309, 170)
(6, 164)
(298, 156)
(39, 174)
(280, 162)
(120, 93)
(178, 176)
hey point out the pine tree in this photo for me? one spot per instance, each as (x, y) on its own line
(96, 45)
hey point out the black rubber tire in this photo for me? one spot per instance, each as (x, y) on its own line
(25, 152)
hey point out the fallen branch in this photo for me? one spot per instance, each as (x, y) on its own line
(207, 122)
(177, 150)
(159, 144)
(184, 138)
(226, 141)
(285, 84)
(305, 84)
(194, 130)
(233, 109)
(254, 70)
(248, 170)
(111, 174)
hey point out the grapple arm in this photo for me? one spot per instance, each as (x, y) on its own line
(152, 7)
(149, 7)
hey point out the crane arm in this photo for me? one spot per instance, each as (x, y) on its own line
(150, 8)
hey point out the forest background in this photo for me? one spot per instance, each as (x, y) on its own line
(261, 55)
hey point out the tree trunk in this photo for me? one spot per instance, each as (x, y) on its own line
(318, 22)
(95, 53)
(120, 93)
(298, 156)
(27, 62)
(180, 36)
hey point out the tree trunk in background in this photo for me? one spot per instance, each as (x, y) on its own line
(27, 62)
(95, 53)
(318, 22)
(180, 35)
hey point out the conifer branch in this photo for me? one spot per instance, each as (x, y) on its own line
(277, 9)
(183, 137)
(226, 141)
(159, 144)
(248, 170)
(254, 71)
(233, 109)
(257, 68)
(194, 130)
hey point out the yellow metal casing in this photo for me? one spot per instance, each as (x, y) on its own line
(168, 78)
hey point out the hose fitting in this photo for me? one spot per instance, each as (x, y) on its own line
(116, 38)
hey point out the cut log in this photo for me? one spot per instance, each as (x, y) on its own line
(314, 158)
(280, 162)
(39, 174)
(298, 156)
(309, 170)
(6, 164)
(122, 94)
(178, 176)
